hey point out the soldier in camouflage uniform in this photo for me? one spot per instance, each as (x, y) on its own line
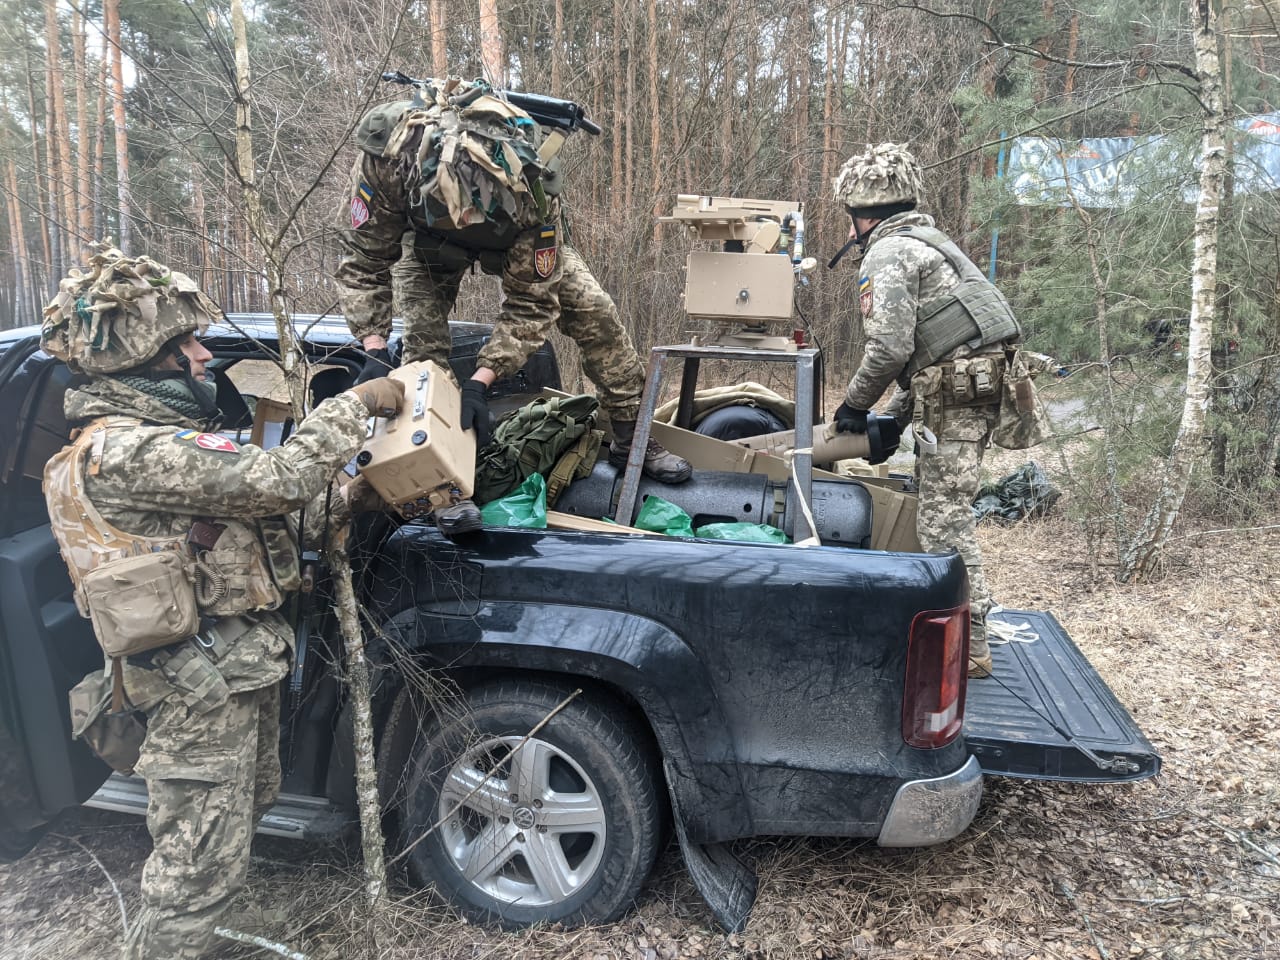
(427, 179)
(212, 703)
(908, 269)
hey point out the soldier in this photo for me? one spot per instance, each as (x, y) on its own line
(939, 330)
(427, 174)
(145, 478)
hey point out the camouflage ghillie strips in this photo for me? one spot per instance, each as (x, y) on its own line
(121, 312)
(886, 173)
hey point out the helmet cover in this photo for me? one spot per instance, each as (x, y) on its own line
(121, 312)
(886, 174)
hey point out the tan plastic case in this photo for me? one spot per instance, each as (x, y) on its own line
(421, 458)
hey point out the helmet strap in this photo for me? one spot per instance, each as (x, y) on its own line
(843, 250)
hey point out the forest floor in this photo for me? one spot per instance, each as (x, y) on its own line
(1183, 866)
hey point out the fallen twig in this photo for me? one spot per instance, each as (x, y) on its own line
(258, 941)
(1070, 895)
(124, 914)
(1239, 837)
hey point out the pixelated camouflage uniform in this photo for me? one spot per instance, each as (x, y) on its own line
(211, 754)
(426, 282)
(899, 274)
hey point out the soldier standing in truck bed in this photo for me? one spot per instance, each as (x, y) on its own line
(459, 169)
(946, 336)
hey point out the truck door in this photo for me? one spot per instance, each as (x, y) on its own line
(45, 646)
(1045, 714)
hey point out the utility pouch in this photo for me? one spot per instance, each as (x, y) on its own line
(140, 603)
(984, 374)
(282, 553)
(198, 682)
(959, 385)
(114, 735)
(926, 393)
(1023, 421)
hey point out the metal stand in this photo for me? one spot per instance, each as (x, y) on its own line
(804, 359)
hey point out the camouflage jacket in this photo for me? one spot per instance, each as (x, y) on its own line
(156, 478)
(382, 206)
(898, 275)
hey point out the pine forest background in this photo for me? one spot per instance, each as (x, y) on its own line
(117, 119)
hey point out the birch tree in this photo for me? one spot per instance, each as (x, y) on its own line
(1140, 559)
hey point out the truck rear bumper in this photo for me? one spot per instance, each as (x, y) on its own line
(931, 811)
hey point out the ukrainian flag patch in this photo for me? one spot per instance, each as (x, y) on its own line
(864, 284)
(365, 192)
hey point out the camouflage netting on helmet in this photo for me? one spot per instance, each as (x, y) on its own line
(120, 313)
(472, 152)
(887, 173)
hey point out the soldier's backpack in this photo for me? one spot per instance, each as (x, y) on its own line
(553, 436)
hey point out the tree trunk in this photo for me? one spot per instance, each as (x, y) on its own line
(26, 296)
(1073, 43)
(98, 230)
(629, 113)
(557, 50)
(491, 43)
(655, 122)
(1140, 559)
(111, 13)
(60, 133)
(439, 39)
(615, 189)
(40, 177)
(84, 188)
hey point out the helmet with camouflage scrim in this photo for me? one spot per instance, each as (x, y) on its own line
(121, 312)
(886, 174)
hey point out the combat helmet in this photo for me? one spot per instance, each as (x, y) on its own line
(886, 174)
(119, 314)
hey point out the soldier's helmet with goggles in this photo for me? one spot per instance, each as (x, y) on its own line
(119, 314)
(887, 174)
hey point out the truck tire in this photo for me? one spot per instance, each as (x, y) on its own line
(14, 844)
(567, 828)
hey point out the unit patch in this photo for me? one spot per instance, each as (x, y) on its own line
(545, 251)
(864, 296)
(207, 441)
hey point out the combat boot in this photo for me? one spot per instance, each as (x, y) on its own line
(659, 463)
(979, 659)
(461, 516)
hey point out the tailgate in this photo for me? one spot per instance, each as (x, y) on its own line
(1046, 714)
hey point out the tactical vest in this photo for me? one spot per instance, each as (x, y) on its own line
(974, 314)
(215, 569)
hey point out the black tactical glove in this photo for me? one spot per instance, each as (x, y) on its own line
(475, 412)
(377, 363)
(849, 420)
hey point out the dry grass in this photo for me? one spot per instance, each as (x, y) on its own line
(1185, 866)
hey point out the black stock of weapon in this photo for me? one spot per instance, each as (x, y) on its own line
(546, 111)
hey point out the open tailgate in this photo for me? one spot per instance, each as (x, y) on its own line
(1047, 715)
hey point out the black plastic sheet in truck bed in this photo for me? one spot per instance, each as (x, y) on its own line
(1046, 714)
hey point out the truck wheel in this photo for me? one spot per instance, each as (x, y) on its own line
(565, 830)
(14, 844)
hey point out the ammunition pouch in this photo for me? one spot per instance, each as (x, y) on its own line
(974, 314)
(575, 463)
(963, 382)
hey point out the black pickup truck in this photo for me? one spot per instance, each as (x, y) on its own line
(727, 690)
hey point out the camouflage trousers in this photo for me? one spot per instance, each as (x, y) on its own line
(424, 296)
(948, 482)
(211, 775)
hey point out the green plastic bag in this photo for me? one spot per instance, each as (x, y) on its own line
(525, 507)
(745, 532)
(663, 516)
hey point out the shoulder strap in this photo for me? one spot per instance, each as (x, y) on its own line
(935, 238)
(94, 436)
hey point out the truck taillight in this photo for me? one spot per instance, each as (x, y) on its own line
(937, 659)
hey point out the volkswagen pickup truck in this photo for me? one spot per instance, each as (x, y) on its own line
(552, 706)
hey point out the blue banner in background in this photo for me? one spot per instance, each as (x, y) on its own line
(1116, 171)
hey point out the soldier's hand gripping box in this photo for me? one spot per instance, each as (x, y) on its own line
(421, 458)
